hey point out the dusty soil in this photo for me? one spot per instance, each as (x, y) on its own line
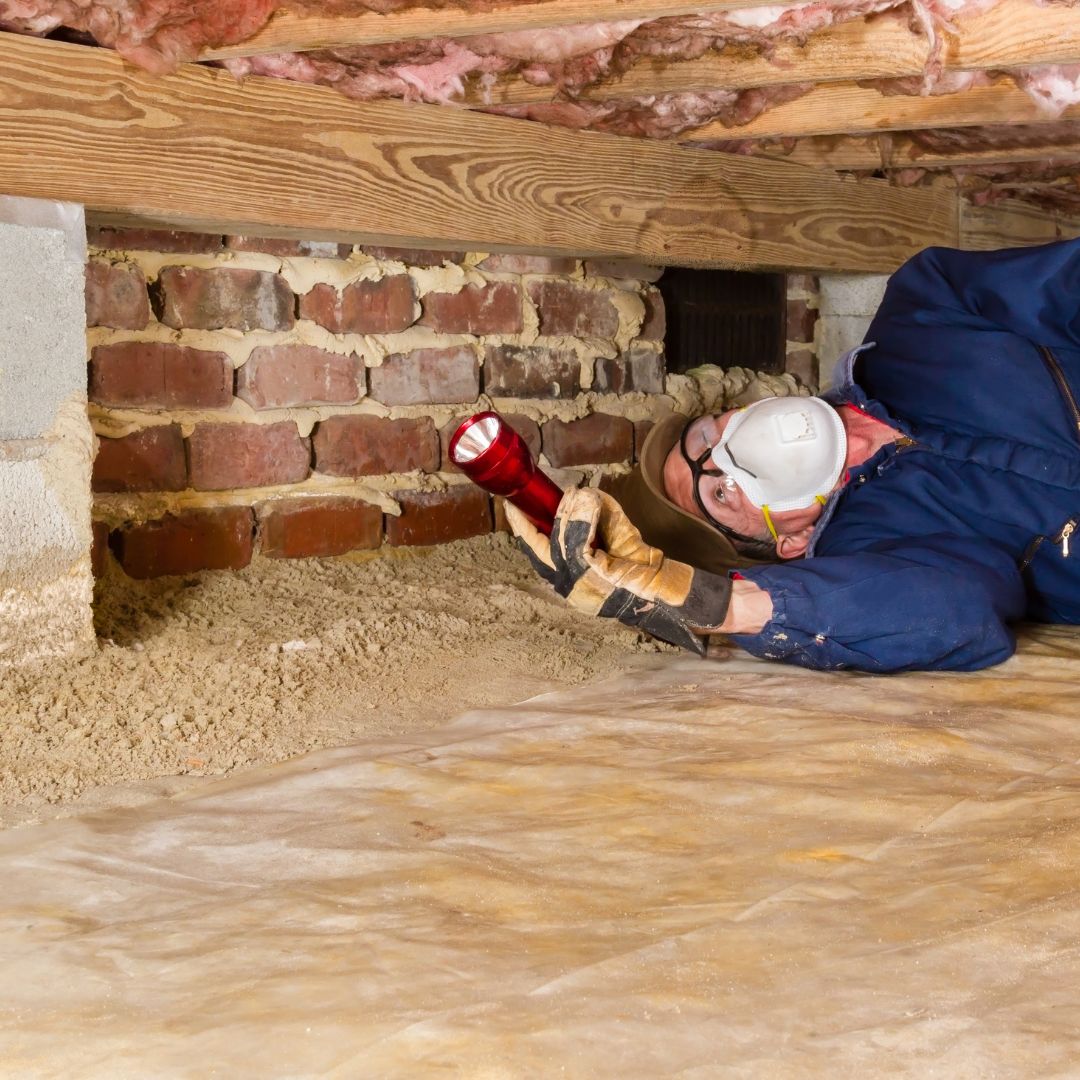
(203, 675)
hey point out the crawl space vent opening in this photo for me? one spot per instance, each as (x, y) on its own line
(724, 317)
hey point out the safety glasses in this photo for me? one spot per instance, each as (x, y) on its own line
(699, 471)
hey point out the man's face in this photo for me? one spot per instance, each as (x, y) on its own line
(722, 497)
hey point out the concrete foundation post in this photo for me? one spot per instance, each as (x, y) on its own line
(848, 304)
(46, 443)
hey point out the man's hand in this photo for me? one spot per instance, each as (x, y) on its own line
(597, 559)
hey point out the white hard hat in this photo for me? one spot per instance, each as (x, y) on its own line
(784, 452)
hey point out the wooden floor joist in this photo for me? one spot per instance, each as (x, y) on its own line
(1011, 34)
(881, 49)
(287, 32)
(199, 150)
(898, 151)
(1012, 224)
(846, 109)
(1015, 33)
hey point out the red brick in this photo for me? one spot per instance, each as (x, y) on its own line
(527, 428)
(589, 441)
(414, 256)
(304, 528)
(800, 321)
(570, 310)
(530, 371)
(226, 456)
(287, 249)
(494, 308)
(640, 368)
(641, 433)
(184, 296)
(99, 548)
(387, 306)
(436, 517)
(148, 460)
(220, 539)
(654, 325)
(157, 375)
(280, 376)
(803, 364)
(527, 264)
(623, 270)
(427, 376)
(372, 445)
(116, 296)
(153, 240)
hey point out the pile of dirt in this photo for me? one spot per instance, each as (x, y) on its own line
(203, 675)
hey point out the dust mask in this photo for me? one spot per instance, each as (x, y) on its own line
(784, 452)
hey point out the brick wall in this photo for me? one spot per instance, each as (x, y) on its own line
(296, 398)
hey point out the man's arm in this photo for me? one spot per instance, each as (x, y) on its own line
(932, 603)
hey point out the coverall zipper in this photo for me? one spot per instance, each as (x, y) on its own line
(1065, 532)
(1063, 538)
(1059, 377)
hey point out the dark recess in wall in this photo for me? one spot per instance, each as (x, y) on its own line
(724, 317)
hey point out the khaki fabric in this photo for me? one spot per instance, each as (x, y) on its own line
(616, 557)
(597, 559)
(619, 557)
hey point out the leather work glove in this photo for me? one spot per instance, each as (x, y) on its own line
(597, 560)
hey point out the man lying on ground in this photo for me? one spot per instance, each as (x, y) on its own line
(902, 522)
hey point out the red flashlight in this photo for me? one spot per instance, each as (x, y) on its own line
(492, 454)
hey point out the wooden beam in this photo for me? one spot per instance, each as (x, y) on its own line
(287, 32)
(845, 109)
(1011, 34)
(840, 152)
(267, 157)
(1015, 33)
(879, 49)
(1012, 224)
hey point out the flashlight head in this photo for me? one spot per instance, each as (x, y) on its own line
(494, 456)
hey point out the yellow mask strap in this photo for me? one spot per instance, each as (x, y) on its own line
(821, 499)
(768, 521)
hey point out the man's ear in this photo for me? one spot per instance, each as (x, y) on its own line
(794, 545)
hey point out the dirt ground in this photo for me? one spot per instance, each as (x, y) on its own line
(203, 675)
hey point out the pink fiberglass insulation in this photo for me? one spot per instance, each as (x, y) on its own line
(436, 69)
(660, 116)
(160, 33)
(1055, 87)
(573, 58)
(155, 34)
(432, 70)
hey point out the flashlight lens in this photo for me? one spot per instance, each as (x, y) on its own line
(476, 439)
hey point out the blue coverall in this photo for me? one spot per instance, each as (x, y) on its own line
(929, 552)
